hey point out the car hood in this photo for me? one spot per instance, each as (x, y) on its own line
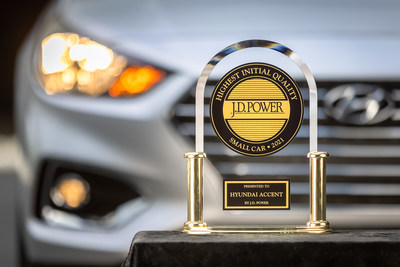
(338, 39)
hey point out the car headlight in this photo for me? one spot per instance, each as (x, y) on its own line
(83, 197)
(74, 64)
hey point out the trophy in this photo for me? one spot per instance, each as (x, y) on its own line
(256, 109)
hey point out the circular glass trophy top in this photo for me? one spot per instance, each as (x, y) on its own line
(256, 109)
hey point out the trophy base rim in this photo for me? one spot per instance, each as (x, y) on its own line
(258, 229)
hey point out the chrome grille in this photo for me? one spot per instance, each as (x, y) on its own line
(364, 167)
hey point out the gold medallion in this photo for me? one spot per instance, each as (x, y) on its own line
(256, 109)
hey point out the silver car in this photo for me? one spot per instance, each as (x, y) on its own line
(105, 112)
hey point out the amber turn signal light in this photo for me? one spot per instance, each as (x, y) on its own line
(136, 80)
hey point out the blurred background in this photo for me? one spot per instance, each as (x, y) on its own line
(17, 20)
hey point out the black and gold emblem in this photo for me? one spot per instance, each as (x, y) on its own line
(256, 109)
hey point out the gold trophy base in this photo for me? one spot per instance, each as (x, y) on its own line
(318, 224)
(311, 228)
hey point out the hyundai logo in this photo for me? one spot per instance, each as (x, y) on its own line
(359, 104)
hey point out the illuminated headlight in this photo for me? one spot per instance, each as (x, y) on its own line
(79, 196)
(70, 192)
(72, 63)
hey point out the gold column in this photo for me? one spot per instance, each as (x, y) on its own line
(318, 190)
(195, 190)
